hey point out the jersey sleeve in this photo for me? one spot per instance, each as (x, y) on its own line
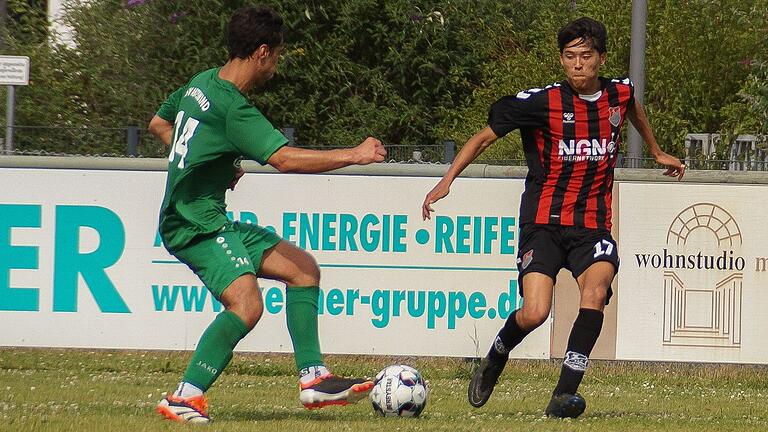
(630, 85)
(252, 134)
(512, 112)
(169, 108)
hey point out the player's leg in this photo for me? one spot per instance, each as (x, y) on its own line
(300, 272)
(594, 282)
(221, 263)
(301, 275)
(539, 260)
(537, 289)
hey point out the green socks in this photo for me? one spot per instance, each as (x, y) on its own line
(214, 351)
(301, 315)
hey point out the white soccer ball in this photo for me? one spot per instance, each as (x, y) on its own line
(399, 390)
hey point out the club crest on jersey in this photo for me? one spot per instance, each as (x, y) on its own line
(568, 118)
(614, 116)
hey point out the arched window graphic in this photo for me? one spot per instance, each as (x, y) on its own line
(696, 315)
(707, 216)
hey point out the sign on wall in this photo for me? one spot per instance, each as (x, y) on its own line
(14, 70)
(694, 277)
(82, 265)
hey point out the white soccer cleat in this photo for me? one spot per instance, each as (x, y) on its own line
(192, 410)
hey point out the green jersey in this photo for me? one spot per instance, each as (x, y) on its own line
(214, 126)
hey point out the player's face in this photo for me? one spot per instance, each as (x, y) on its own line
(271, 61)
(266, 63)
(581, 63)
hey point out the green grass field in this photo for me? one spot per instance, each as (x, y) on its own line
(84, 390)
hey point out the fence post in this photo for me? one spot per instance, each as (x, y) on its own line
(133, 141)
(449, 151)
(9, 119)
(289, 133)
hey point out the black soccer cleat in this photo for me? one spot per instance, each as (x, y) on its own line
(566, 406)
(483, 380)
(332, 390)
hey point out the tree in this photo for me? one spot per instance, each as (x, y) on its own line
(693, 67)
(411, 73)
(352, 69)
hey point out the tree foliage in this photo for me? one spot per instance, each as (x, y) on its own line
(26, 20)
(411, 73)
(351, 69)
(702, 49)
(696, 52)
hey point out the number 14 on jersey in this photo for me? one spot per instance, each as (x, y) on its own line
(182, 134)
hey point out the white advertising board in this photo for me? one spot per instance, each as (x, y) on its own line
(81, 264)
(694, 276)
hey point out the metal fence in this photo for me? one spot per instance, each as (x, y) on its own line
(138, 142)
(92, 141)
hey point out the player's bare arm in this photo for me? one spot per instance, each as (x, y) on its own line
(468, 153)
(161, 128)
(305, 161)
(636, 115)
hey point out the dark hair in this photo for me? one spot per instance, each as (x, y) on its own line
(253, 26)
(585, 29)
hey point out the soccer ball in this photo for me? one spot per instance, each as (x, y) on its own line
(399, 390)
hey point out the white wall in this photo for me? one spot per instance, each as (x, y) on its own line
(694, 286)
(366, 292)
(80, 266)
(55, 12)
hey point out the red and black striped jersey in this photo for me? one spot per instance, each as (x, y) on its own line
(571, 144)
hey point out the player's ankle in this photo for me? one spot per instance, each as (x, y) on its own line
(187, 390)
(311, 373)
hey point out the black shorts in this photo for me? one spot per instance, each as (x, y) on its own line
(548, 248)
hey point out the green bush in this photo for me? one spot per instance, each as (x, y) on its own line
(351, 69)
(695, 64)
(410, 73)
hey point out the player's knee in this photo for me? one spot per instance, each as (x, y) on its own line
(532, 317)
(594, 296)
(314, 273)
(251, 310)
(309, 274)
(245, 301)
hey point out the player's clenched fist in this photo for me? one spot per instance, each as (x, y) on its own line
(369, 151)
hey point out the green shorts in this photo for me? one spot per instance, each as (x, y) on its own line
(220, 258)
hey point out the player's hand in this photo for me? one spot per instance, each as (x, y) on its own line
(675, 168)
(239, 172)
(440, 191)
(369, 151)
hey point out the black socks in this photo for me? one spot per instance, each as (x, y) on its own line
(509, 336)
(584, 334)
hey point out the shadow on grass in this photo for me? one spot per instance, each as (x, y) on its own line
(334, 414)
(607, 415)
